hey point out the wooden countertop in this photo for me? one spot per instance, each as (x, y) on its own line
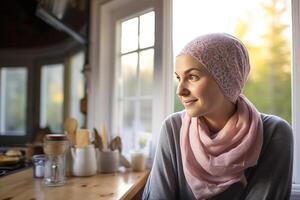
(121, 185)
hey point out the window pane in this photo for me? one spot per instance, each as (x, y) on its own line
(134, 108)
(146, 116)
(52, 97)
(127, 124)
(177, 104)
(145, 125)
(129, 74)
(129, 35)
(13, 100)
(264, 26)
(147, 30)
(146, 71)
(77, 86)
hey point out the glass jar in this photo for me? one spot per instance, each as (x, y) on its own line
(55, 147)
(38, 165)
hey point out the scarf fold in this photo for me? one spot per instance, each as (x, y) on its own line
(211, 165)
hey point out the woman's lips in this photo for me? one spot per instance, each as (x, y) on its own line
(189, 102)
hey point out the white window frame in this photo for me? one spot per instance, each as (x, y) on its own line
(295, 4)
(101, 56)
(120, 16)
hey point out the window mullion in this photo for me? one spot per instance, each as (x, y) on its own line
(1, 103)
(137, 51)
(138, 92)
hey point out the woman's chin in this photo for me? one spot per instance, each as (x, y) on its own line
(192, 113)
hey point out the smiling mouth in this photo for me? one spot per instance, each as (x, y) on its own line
(189, 102)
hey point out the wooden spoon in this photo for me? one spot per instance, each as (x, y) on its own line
(104, 139)
(116, 143)
(82, 138)
(98, 139)
(70, 126)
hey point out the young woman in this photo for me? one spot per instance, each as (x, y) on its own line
(220, 146)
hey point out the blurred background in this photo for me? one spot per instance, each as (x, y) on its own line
(45, 71)
(264, 26)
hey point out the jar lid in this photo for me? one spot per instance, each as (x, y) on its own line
(39, 157)
(55, 137)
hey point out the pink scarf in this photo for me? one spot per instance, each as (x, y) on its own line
(212, 165)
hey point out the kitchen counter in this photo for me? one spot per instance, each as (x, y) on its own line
(121, 185)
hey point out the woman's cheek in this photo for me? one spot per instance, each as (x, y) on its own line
(201, 90)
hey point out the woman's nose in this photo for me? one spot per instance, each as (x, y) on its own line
(182, 90)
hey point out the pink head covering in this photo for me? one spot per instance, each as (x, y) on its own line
(225, 58)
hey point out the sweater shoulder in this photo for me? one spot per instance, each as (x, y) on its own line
(174, 117)
(277, 129)
(275, 123)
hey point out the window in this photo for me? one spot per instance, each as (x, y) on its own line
(62, 88)
(39, 90)
(131, 72)
(135, 75)
(52, 97)
(13, 101)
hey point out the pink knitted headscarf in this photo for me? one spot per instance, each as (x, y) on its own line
(211, 165)
(225, 58)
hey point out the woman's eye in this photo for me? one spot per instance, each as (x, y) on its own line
(178, 78)
(193, 77)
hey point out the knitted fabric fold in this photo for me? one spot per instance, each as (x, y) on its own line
(211, 165)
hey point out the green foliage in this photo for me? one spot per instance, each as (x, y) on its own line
(269, 84)
(177, 104)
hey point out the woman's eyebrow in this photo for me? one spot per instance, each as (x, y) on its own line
(189, 70)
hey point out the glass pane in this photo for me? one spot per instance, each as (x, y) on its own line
(52, 97)
(146, 71)
(177, 103)
(145, 126)
(129, 35)
(13, 100)
(129, 74)
(77, 86)
(265, 29)
(147, 30)
(146, 116)
(127, 124)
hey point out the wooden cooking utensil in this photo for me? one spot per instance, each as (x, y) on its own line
(104, 139)
(70, 126)
(116, 143)
(98, 139)
(82, 138)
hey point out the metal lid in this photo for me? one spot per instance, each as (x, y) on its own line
(39, 157)
(55, 137)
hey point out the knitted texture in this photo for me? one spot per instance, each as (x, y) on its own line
(211, 165)
(225, 58)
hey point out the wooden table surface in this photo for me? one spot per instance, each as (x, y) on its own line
(121, 185)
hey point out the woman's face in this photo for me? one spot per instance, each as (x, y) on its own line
(197, 90)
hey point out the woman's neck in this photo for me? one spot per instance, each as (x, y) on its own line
(217, 120)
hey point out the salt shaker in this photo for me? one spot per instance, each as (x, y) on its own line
(55, 147)
(38, 165)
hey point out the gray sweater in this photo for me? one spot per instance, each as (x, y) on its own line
(270, 179)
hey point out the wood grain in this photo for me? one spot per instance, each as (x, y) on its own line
(122, 185)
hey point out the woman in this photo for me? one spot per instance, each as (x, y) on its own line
(220, 146)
